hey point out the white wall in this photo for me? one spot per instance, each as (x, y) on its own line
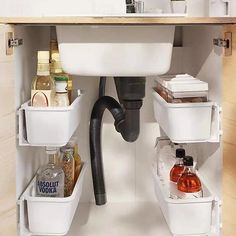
(61, 7)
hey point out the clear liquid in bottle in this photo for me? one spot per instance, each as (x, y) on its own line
(50, 178)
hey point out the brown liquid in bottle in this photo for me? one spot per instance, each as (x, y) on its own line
(176, 172)
(189, 183)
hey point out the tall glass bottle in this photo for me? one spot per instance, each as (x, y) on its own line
(50, 178)
(68, 165)
(189, 184)
(43, 87)
(56, 68)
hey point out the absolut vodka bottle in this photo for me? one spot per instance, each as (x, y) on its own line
(50, 178)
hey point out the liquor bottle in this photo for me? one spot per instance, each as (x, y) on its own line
(43, 87)
(68, 166)
(56, 68)
(78, 161)
(178, 167)
(50, 178)
(189, 185)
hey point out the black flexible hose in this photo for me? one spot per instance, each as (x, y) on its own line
(100, 106)
(102, 86)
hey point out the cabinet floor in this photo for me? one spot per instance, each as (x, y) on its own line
(119, 219)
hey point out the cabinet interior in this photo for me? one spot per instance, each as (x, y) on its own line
(132, 205)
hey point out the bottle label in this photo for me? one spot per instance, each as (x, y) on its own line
(49, 189)
(41, 98)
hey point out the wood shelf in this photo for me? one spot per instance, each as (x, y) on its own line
(121, 20)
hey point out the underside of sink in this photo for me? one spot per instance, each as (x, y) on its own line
(115, 50)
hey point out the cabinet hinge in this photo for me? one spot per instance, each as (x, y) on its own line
(226, 43)
(12, 42)
(15, 42)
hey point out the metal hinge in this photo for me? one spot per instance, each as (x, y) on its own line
(226, 43)
(11, 42)
(15, 42)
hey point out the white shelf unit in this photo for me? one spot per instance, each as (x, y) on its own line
(185, 216)
(49, 216)
(50, 126)
(188, 122)
(128, 171)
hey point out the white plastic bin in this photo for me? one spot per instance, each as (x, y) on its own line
(50, 126)
(185, 216)
(184, 122)
(52, 216)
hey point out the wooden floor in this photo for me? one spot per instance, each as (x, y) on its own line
(229, 122)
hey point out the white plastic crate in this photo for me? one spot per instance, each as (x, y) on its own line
(48, 126)
(50, 216)
(185, 216)
(184, 122)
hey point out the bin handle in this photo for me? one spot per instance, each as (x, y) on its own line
(21, 128)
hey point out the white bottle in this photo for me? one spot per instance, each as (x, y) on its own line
(61, 97)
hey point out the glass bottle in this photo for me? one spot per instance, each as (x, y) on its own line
(68, 166)
(61, 97)
(56, 68)
(43, 87)
(189, 185)
(50, 178)
(78, 162)
(178, 167)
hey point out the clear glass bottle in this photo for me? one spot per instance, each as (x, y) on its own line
(61, 97)
(189, 184)
(178, 167)
(68, 166)
(56, 68)
(43, 87)
(50, 178)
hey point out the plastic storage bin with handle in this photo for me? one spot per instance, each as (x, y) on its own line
(51, 216)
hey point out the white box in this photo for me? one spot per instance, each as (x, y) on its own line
(185, 216)
(51, 216)
(49, 126)
(184, 122)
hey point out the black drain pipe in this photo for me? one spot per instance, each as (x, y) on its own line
(126, 122)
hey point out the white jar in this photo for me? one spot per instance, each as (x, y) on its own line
(178, 7)
(219, 7)
(198, 8)
(61, 97)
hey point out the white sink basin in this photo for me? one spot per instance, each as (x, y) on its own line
(115, 50)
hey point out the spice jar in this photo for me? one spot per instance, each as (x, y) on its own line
(68, 166)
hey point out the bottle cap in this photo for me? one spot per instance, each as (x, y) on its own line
(180, 153)
(43, 57)
(67, 149)
(188, 161)
(61, 78)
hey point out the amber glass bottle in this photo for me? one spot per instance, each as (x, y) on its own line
(178, 168)
(189, 184)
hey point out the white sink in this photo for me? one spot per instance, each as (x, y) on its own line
(115, 50)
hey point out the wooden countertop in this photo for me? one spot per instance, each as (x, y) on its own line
(121, 20)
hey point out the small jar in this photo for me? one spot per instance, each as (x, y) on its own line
(68, 166)
(61, 97)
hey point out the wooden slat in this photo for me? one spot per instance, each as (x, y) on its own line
(118, 20)
(229, 122)
(7, 141)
